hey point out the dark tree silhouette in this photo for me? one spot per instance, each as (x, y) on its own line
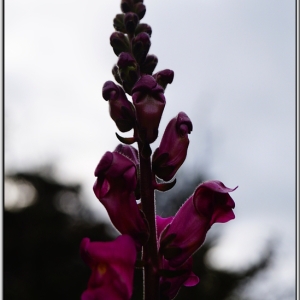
(41, 245)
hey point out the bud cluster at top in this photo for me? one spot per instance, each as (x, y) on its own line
(134, 72)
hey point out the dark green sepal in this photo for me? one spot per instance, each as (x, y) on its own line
(119, 23)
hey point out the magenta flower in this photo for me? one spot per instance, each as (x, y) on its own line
(172, 151)
(115, 188)
(120, 109)
(209, 204)
(112, 269)
(149, 102)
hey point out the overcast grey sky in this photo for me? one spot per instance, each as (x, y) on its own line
(234, 64)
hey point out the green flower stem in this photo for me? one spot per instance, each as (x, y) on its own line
(150, 253)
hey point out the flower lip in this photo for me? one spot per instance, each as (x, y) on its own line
(183, 124)
(209, 204)
(104, 164)
(146, 84)
(112, 269)
(125, 60)
(110, 90)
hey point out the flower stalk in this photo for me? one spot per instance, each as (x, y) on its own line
(150, 249)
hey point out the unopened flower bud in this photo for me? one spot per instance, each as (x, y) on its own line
(131, 20)
(126, 6)
(172, 151)
(120, 109)
(128, 70)
(140, 10)
(142, 27)
(140, 46)
(149, 102)
(119, 42)
(149, 64)
(164, 77)
(119, 23)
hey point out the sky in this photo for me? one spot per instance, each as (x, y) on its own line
(234, 64)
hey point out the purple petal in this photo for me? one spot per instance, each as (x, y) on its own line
(115, 188)
(161, 223)
(172, 151)
(209, 204)
(112, 269)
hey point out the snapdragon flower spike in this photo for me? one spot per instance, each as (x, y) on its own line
(120, 109)
(173, 279)
(209, 204)
(115, 188)
(149, 102)
(112, 269)
(172, 151)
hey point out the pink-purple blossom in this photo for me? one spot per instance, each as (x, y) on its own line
(120, 109)
(209, 204)
(149, 101)
(115, 188)
(172, 151)
(112, 269)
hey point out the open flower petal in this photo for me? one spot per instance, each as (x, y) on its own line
(115, 188)
(112, 269)
(209, 204)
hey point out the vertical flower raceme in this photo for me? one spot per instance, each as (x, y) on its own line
(127, 178)
(112, 269)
